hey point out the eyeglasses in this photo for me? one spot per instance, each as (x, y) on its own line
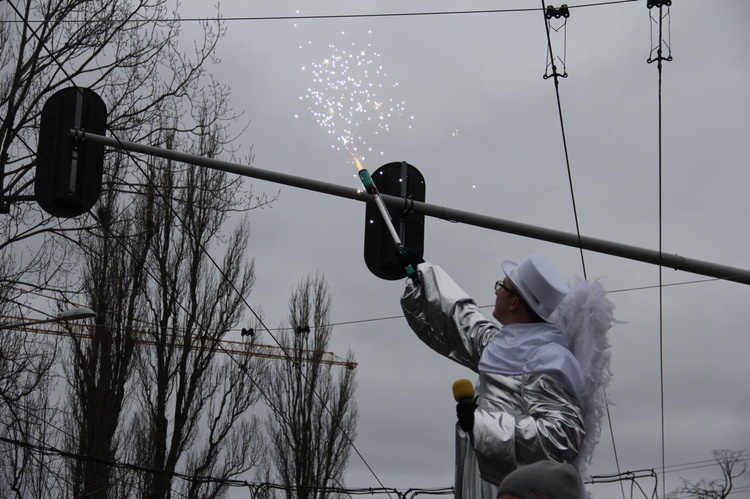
(499, 284)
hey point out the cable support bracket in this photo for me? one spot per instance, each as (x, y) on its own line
(555, 74)
(557, 13)
(663, 35)
(658, 3)
(562, 12)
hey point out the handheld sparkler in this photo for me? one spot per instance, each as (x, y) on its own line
(372, 190)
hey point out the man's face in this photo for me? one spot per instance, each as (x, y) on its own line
(504, 296)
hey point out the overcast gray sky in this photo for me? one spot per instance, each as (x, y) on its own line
(482, 125)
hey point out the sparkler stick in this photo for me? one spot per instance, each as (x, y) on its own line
(371, 189)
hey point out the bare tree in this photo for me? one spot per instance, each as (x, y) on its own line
(128, 52)
(102, 358)
(314, 418)
(27, 470)
(732, 464)
(24, 360)
(193, 301)
(25, 377)
(125, 50)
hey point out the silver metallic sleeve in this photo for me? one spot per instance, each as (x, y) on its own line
(445, 318)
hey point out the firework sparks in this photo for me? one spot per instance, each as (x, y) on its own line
(349, 97)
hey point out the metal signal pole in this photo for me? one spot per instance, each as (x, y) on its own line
(673, 261)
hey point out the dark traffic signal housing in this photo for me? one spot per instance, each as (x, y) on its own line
(405, 181)
(69, 170)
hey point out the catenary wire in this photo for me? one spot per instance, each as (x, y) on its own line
(556, 80)
(625, 476)
(659, 58)
(401, 317)
(298, 17)
(398, 14)
(660, 286)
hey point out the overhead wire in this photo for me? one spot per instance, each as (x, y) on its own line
(256, 487)
(661, 284)
(229, 281)
(329, 357)
(431, 13)
(631, 476)
(401, 317)
(387, 15)
(225, 350)
(48, 449)
(660, 57)
(556, 79)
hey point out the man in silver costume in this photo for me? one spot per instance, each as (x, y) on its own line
(530, 392)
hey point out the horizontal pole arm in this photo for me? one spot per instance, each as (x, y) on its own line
(672, 261)
(226, 166)
(630, 252)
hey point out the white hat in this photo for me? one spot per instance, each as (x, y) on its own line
(540, 285)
